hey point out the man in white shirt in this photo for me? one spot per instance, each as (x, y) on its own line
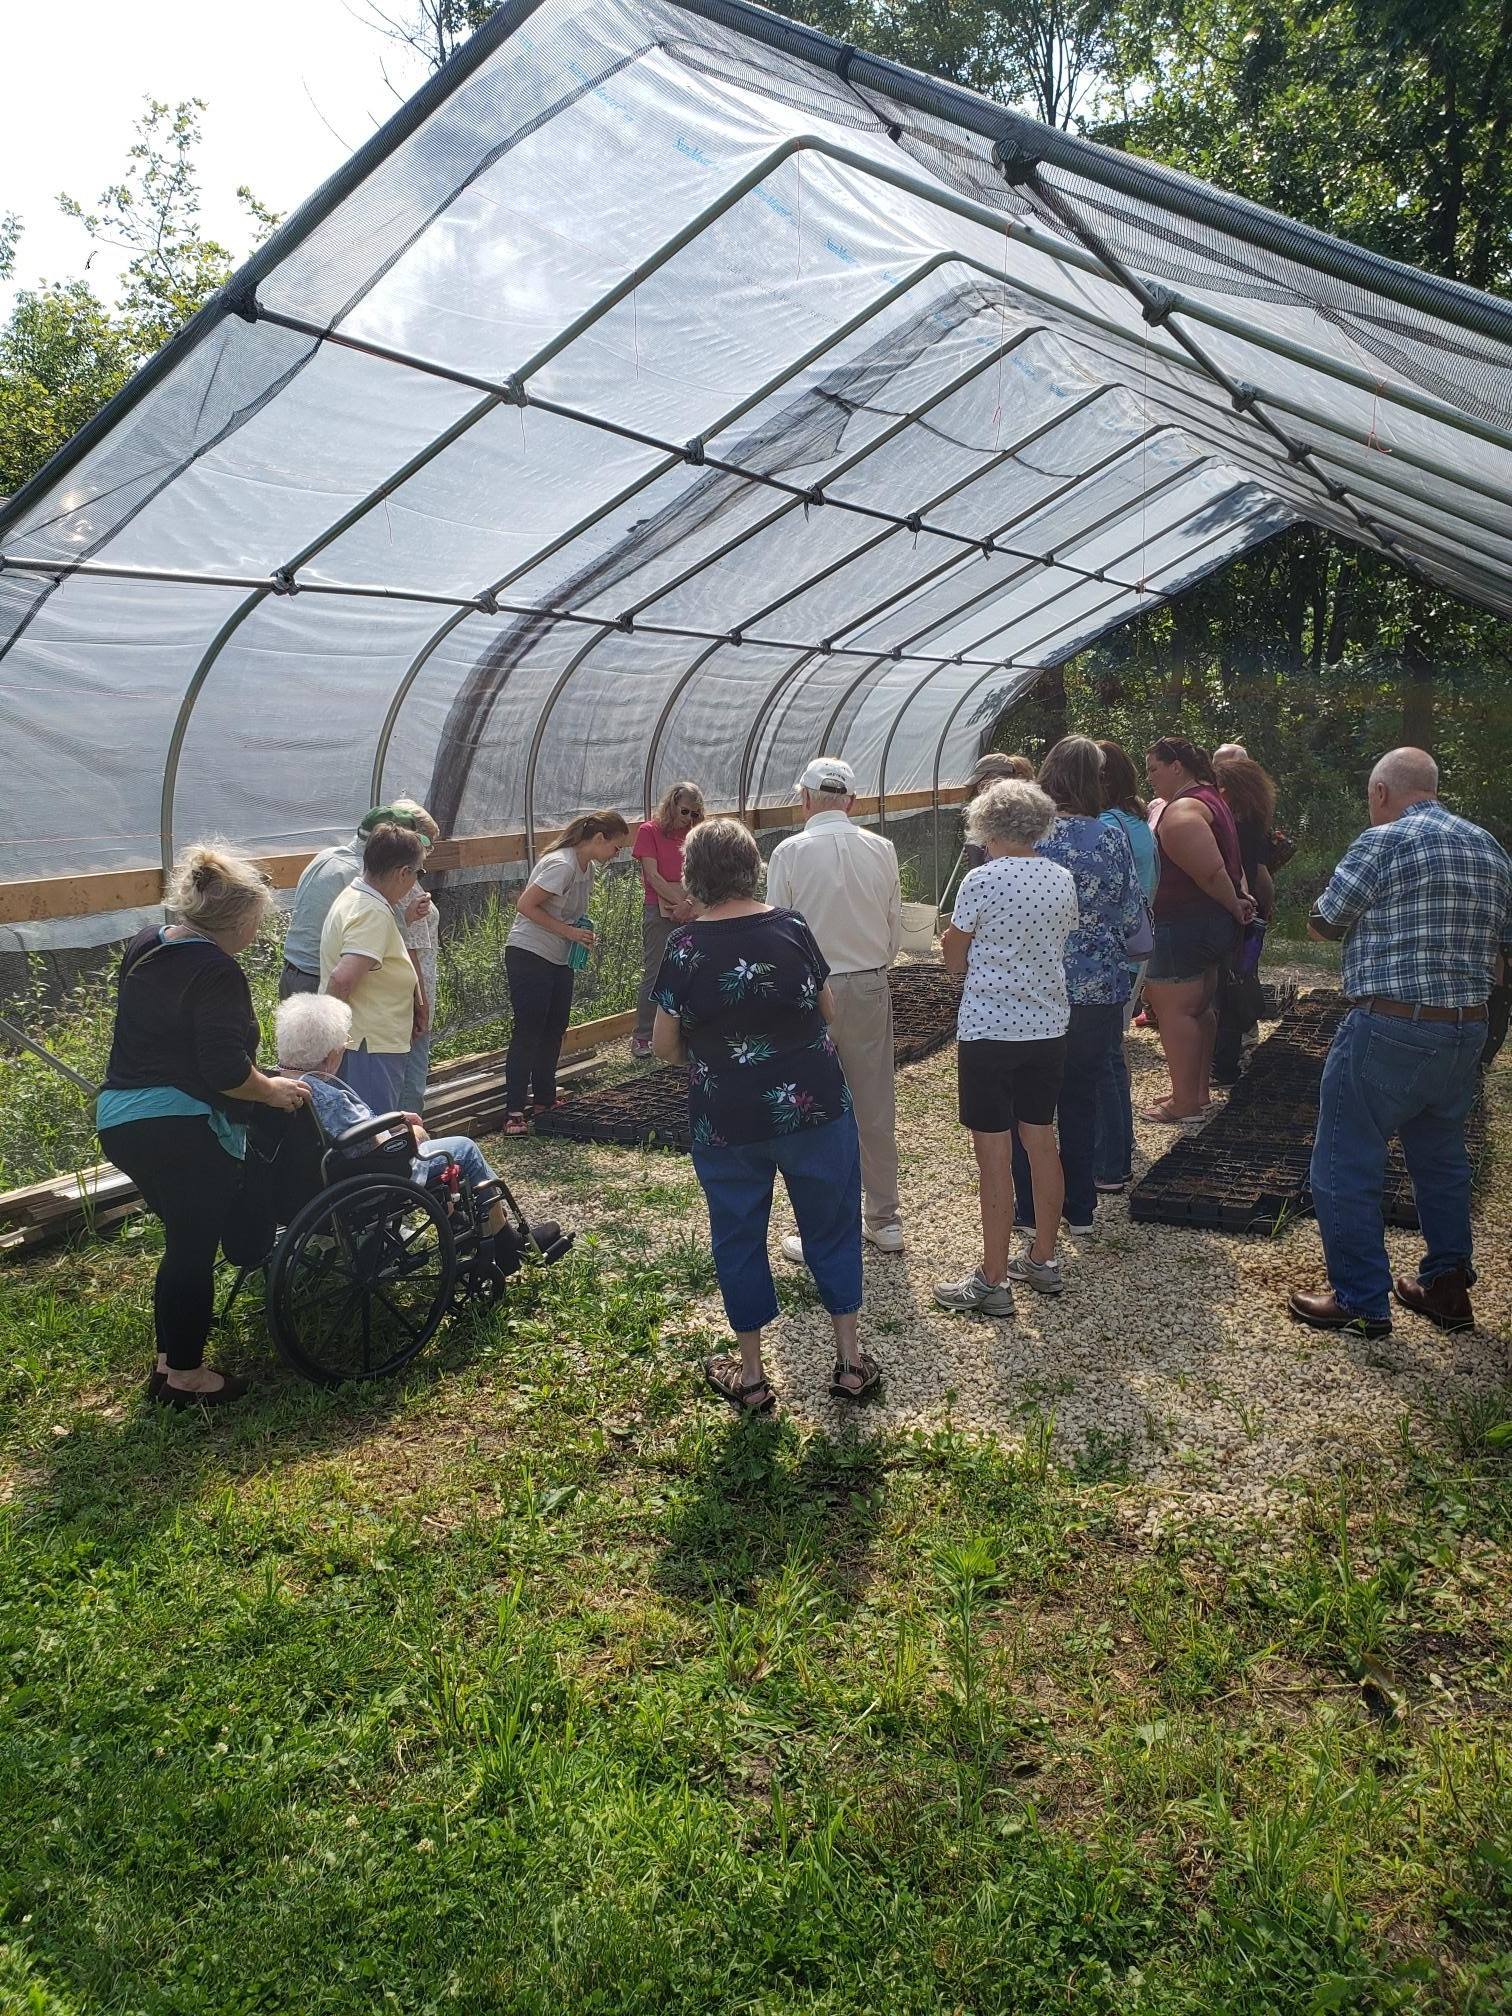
(844, 882)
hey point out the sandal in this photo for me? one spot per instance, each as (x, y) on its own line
(870, 1372)
(722, 1376)
(515, 1123)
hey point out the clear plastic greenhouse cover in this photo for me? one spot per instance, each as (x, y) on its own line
(670, 390)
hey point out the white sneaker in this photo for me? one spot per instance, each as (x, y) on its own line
(1080, 1231)
(792, 1249)
(886, 1238)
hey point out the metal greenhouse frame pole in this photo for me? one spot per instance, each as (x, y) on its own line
(994, 462)
(1000, 588)
(675, 459)
(1039, 642)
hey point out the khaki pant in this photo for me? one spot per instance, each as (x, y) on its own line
(863, 1034)
(655, 931)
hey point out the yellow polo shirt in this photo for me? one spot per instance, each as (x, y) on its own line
(383, 1002)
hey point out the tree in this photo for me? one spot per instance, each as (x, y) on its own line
(63, 353)
(433, 30)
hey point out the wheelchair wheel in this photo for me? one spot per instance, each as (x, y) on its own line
(361, 1280)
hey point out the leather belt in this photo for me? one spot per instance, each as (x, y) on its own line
(1415, 1011)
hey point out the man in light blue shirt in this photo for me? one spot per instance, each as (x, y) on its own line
(324, 878)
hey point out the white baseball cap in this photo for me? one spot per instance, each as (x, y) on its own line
(828, 773)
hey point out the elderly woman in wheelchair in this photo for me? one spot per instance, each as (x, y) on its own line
(313, 1034)
(385, 1232)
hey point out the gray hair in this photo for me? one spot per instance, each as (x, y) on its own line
(309, 1028)
(721, 863)
(214, 888)
(1403, 773)
(1013, 812)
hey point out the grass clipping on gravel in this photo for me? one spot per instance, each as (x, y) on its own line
(536, 1682)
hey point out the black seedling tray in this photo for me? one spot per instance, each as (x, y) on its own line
(651, 1109)
(1249, 1165)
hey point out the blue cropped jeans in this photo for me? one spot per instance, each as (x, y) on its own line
(821, 1167)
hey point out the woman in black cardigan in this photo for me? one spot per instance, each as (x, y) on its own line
(179, 1088)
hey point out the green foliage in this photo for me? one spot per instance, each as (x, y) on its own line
(62, 355)
(63, 352)
(573, 1694)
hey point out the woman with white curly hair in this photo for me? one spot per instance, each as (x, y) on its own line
(1007, 940)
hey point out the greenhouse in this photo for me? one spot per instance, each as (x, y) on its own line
(670, 390)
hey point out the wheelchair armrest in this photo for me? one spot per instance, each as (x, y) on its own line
(369, 1130)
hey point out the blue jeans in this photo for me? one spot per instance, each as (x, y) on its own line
(414, 1069)
(374, 1076)
(1095, 1028)
(1385, 1076)
(1113, 1159)
(821, 1167)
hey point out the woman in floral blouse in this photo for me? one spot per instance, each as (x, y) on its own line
(1110, 910)
(742, 1000)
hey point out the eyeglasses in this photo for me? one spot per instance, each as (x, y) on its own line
(689, 812)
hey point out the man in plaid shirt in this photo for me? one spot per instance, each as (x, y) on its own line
(1423, 903)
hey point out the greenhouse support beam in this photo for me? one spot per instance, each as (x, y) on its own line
(1001, 588)
(1127, 174)
(653, 747)
(916, 275)
(742, 627)
(231, 299)
(989, 468)
(848, 464)
(797, 494)
(540, 735)
(1035, 510)
(1000, 456)
(1156, 597)
(1158, 306)
(1103, 264)
(998, 590)
(1044, 639)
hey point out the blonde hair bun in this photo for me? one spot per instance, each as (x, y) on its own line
(214, 888)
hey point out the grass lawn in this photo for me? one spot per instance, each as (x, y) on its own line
(534, 1682)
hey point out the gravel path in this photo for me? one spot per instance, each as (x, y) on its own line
(1170, 1359)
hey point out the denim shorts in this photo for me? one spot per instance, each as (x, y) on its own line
(1187, 947)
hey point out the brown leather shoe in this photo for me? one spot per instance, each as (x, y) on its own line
(1445, 1300)
(1325, 1312)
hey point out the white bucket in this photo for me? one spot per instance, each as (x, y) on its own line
(918, 929)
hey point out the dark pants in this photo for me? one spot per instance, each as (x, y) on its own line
(1094, 1030)
(295, 980)
(188, 1181)
(1235, 999)
(540, 995)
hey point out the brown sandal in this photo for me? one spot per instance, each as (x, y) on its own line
(722, 1376)
(870, 1372)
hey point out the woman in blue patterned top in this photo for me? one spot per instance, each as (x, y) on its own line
(1110, 910)
(742, 1000)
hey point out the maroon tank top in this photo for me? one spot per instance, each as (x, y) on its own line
(1178, 895)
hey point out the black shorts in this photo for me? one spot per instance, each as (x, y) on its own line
(1003, 1082)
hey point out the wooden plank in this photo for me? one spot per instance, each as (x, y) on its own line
(57, 896)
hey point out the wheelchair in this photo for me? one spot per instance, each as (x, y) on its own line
(363, 1262)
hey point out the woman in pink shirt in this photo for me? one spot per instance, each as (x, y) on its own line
(659, 849)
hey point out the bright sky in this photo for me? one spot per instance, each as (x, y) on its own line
(291, 87)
